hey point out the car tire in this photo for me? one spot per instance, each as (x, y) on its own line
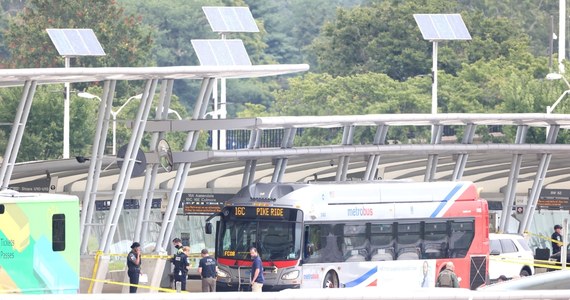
(524, 273)
(331, 280)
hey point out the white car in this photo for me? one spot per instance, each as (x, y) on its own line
(510, 256)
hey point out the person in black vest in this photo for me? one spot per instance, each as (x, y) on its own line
(208, 269)
(134, 266)
(181, 263)
(556, 240)
(177, 244)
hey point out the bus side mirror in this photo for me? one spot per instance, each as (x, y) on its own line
(208, 228)
(311, 249)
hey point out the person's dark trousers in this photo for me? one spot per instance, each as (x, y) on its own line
(133, 279)
(182, 278)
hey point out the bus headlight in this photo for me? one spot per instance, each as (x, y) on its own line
(223, 274)
(291, 275)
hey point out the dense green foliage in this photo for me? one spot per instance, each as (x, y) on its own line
(366, 57)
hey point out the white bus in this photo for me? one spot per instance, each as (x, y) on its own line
(353, 234)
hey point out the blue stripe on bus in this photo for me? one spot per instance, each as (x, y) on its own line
(444, 202)
(362, 278)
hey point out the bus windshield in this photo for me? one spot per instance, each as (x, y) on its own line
(274, 240)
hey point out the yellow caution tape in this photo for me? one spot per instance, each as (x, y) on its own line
(128, 284)
(544, 237)
(95, 268)
(535, 262)
(153, 256)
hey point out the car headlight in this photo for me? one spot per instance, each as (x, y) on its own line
(223, 274)
(291, 275)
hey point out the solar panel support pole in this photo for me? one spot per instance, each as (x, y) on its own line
(66, 113)
(223, 112)
(434, 80)
(434, 85)
(562, 36)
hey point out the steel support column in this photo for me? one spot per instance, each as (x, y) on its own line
(510, 193)
(462, 157)
(202, 102)
(251, 164)
(538, 180)
(90, 194)
(431, 167)
(18, 127)
(343, 161)
(143, 217)
(374, 159)
(128, 165)
(281, 163)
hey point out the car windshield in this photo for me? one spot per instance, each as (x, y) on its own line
(273, 240)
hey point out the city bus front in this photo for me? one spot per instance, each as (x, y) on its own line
(276, 232)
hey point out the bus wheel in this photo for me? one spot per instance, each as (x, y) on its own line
(331, 281)
(524, 272)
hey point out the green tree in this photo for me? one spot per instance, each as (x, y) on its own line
(177, 23)
(292, 25)
(380, 38)
(384, 38)
(124, 39)
(43, 138)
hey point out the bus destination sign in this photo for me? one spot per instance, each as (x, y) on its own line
(260, 212)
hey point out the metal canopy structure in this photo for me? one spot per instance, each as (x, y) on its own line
(342, 154)
(158, 83)
(226, 19)
(507, 167)
(18, 77)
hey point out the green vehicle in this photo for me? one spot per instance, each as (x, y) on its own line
(39, 243)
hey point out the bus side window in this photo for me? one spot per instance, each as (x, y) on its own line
(356, 244)
(312, 244)
(461, 238)
(381, 242)
(58, 232)
(435, 240)
(408, 241)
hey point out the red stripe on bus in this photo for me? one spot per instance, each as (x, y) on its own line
(247, 263)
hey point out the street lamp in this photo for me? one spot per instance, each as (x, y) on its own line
(172, 111)
(557, 76)
(113, 113)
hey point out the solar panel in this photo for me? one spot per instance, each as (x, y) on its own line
(230, 19)
(221, 52)
(75, 42)
(442, 27)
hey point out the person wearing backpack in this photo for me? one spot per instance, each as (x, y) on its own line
(447, 277)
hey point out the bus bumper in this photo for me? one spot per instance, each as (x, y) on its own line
(232, 287)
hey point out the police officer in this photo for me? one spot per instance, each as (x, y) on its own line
(134, 266)
(177, 243)
(208, 269)
(181, 263)
(556, 238)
